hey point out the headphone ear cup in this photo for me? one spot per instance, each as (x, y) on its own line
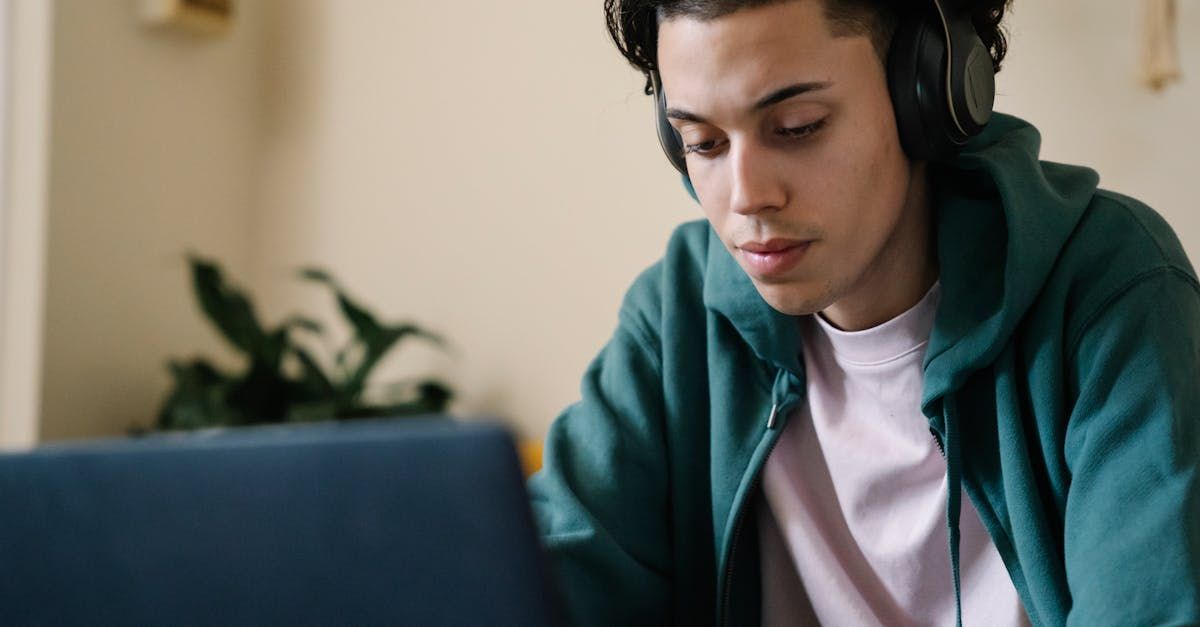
(975, 86)
(668, 138)
(917, 80)
(907, 92)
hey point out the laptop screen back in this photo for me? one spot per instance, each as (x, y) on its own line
(393, 522)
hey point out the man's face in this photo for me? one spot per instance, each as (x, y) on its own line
(793, 152)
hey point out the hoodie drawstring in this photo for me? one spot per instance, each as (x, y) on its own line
(954, 496)
(784, 395)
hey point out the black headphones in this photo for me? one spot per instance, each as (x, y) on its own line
(941, 81)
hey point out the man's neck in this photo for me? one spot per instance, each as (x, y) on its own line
(903, 271)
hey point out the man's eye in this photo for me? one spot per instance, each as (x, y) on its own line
(801, 132)
(701, 148)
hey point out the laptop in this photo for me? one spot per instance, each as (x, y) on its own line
(421, 522)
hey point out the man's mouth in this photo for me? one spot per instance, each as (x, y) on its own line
(773, 257)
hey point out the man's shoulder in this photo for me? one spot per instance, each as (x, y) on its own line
(1119, 239)
(1133, 230)
(1118, 243)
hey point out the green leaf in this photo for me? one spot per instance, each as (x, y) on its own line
(397, 410)
(366, 329)
(312, 412)
(226, 308)
(316, 274)
(383, 342)
(375, 339)
(431, 397)
(262, 395)
(306, 324)
(270, 357)
(434, 394)
(199, 398)
(315, 384)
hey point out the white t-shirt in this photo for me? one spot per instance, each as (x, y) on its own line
(853, 526)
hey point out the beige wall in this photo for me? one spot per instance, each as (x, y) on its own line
(487, 168)
(153, 154)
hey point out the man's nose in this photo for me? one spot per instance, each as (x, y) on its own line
(754, 186)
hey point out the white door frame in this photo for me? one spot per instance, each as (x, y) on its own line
(25, 72)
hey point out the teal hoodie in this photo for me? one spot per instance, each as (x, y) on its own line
(1062, 379)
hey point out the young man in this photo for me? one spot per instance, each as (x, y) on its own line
(892, 304)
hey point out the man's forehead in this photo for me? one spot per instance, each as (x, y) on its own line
(742, 56)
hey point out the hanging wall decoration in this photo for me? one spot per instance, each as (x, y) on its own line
(1160, 44)
(202, 17)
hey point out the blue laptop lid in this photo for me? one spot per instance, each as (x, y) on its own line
(403, 522)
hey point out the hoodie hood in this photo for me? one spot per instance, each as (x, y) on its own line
(1010, 215)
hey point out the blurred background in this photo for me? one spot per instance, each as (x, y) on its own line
(485, 169)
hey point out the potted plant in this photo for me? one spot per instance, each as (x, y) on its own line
(282, 381)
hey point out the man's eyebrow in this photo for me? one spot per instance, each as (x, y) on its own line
(779, 95)
(773, 98)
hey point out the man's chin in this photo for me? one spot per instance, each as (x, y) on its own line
(792, 299)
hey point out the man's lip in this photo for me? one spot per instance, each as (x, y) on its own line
(772, 246)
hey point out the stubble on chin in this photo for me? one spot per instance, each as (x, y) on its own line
(797, 300)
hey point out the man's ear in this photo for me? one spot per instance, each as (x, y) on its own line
(687, 184)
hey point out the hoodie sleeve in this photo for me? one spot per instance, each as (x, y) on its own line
(1132, 520)
(600, 499)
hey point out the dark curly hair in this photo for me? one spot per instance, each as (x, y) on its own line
(633, 24)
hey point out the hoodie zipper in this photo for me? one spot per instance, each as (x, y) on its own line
(952, 519)
(772, 422)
